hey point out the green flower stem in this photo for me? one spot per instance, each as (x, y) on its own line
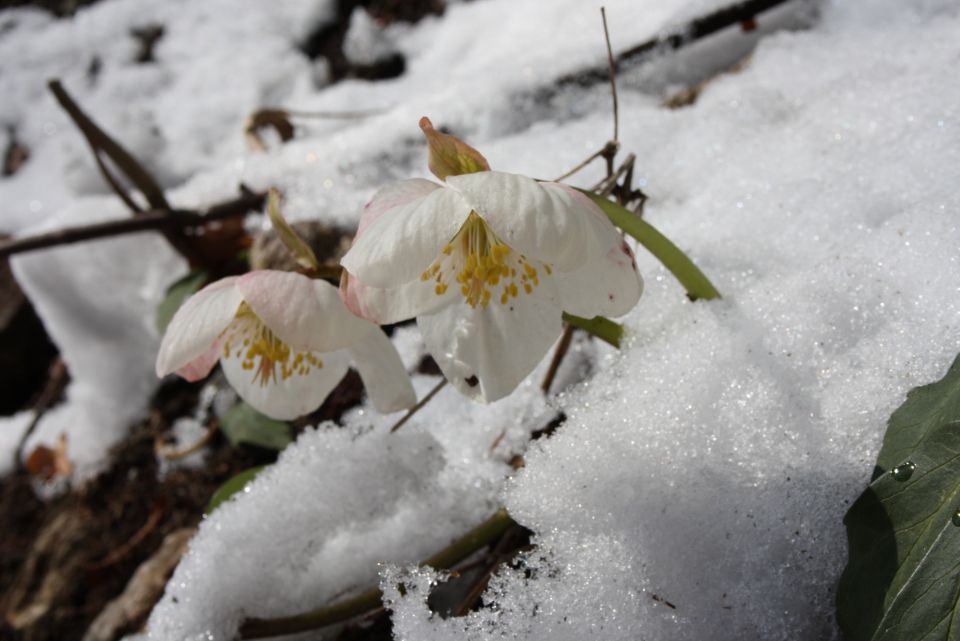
(601, 327)
(694, 281)
(484, 534)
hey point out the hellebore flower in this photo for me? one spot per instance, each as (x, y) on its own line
(284, 342)
(487, 262)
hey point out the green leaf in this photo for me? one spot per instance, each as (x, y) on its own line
(243, 424)
(177, 293)
(902, 580)
(232, 485)
(601, 327)
(693, 280)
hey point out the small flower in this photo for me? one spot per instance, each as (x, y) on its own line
(284, 342)
(487, 262)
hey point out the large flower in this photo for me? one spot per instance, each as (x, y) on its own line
(284, 342)
(487, 262)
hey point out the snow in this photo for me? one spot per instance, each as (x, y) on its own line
(709, 463)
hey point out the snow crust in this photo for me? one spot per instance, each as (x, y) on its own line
(708, 464)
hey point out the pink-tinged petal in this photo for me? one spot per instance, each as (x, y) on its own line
(544, 221)
(304, 313)
(383, 306)
(199, 368)
(286, 399)
(397, 248)
(606, 286)
(486, 353)
(391, 197)
(197, 325)
(383, 373)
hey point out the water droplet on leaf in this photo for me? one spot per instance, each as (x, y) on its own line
(904, 471)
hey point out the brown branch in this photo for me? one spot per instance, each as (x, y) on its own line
(100, 141)
(696, 29)
(558, 355)
(416, 408)
(158, 220)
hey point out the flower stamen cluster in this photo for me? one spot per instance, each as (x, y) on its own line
(481, 261)
(262, 352)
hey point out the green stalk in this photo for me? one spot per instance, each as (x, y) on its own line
(484, 534)
(601, 327)
(693, 280)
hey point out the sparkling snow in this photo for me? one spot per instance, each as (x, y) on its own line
(708, 464)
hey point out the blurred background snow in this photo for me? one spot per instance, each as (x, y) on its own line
(709, 463)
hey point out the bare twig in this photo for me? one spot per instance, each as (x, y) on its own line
(562, 347)
(149, 220)
(169, 453)
(56, 382)
(119, 553)
(696, 29)
(100, 141)
(613, 77)
(416, 408)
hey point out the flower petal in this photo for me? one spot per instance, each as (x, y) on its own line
(383, 306)
(304, 313)
(383, 373)
(606, 286)
(486, 353)
(392, 196)
(292, 397)
(396, 248)
(544, 221)
(195, 327)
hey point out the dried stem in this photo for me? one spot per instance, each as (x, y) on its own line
(159, 220)
(169, 453)
(482, 535)
(100, 141)
(562, 347)
(684, 35)
(416, 408)
(613, 78)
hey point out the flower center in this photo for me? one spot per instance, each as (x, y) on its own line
(262, 352)
(481, 263)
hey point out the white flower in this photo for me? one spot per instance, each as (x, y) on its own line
(487, 262)
(284, 342)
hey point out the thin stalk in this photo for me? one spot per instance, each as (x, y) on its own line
(693, 280)
(416, 408)
(558, 355)
(477, 538)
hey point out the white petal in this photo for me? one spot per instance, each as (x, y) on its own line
(396, 304)
(290, 398)
(606, 286)
(304, 313)
(493, 348)
(544, 221)
(393, 195)
(197, 325)
(383, 373)
(398, 246)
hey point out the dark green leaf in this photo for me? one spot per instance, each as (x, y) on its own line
(243, 424)
(902, 581)
(601, 327)
(176, 294)
(233, 485)
(694, 281)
